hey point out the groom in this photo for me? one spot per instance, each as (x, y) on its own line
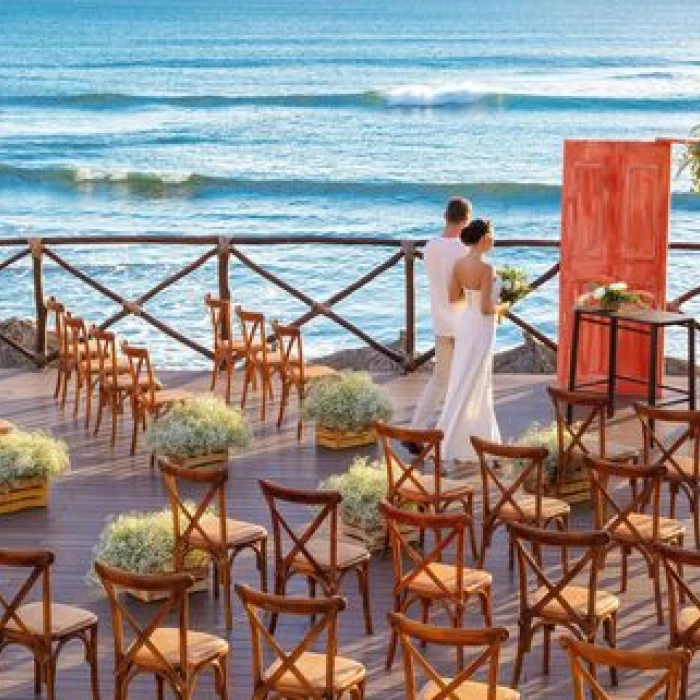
(440, 255)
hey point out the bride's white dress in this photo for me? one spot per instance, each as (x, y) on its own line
(468, 408)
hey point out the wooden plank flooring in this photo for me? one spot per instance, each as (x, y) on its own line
(104, 483)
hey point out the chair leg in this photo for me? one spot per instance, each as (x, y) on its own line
(50, 678)
(89, 388)
(283, 403)
(214, 374)
(114, 416)
(523, 636)
(64, 389)
(78, 387)
(300, 423)
(37, 676)
(246, 382)
(485, 542)
(280, 587)
(160, 688)
(364, 583)
(657, 591)
(229, 379)
(91, 658)
(624, 553)
(225, 571)
(135, 429)
(393, 641)
(57, 389)
(487, 607)
(546, 648)
(261, 554)
(221, 671)
(610, 632)
(696, 518)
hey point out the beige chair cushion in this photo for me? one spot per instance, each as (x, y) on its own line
(551, 508)
(65, 619)
(347, 673)
(577, 598)
(312, 373)
(201, 648)
(684, 463)
(232, 346)
(473, 580)
(449, 488)
(644, 524)
(238, 532)
(168, 396)
(349, 554)
(469, 690)
(686, 618)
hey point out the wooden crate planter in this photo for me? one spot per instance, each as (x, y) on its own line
(373, 539)
(574, 489)
(213, 460)
(21, 495)
(201, 583)
(341, 439)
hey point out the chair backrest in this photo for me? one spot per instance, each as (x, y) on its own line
(500, 488)
(143, 379)
(325, 612)
(591, 408)
(188, 522)
(132, 634)
(614, 505)
(412, 556)
(291, 351)
(37, 564)
(76, 341)
(292, 544)
(220, 314)
(681, 594)
(56, 309)
(683, 427)
(583, 657)
(406, 473)
(105, 343)
(540, 588)
(487, 641)
(253, 330)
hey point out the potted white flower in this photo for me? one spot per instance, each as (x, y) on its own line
(199, 432)
(144, 543)
(28, 461)
(344, 408)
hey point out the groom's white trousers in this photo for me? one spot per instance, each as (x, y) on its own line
(434, 392)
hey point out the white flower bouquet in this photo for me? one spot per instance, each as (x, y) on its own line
(350, 402)
(199, 426)
(514, 284)
(614, 296)
(31, 455)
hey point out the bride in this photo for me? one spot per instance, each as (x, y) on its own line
(468, 406)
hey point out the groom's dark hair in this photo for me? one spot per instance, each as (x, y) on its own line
(458, 210)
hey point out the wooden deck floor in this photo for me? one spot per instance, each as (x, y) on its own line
(103, 483)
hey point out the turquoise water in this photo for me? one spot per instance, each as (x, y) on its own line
(223, 117)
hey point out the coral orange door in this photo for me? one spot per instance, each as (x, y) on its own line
(615, 217)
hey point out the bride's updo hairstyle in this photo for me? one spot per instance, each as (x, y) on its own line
(475, 230)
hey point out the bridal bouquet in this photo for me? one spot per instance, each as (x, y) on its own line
(514, 284)
(614, 296)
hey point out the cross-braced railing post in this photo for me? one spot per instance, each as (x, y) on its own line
(37, 250)
(224, 256)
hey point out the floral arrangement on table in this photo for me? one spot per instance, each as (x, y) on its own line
(614, 296)
(31, 455)
(363, 486)
(143, 543)
(514, 284)
(691, 159)
(347, 403)
(202, 425)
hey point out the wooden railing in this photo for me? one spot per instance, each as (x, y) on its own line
(226, 248)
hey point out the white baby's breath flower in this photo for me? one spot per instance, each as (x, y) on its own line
(599, 293)
(584, 298)
(617, 286)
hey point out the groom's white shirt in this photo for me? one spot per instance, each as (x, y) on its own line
(439, 258)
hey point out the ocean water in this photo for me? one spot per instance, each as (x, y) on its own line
(334, 117)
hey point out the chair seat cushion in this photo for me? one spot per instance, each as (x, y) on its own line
(312, 373)
(551, 508)
(238, 532)
(65, 619)
(201, 648)
(681, 469)
(168, 396)
(687, 617)
(346, 674)
(577, 598)
(236, 347)
(349, 554)
(644, 524)
(472, 580)
(469, 690)
(450, 489)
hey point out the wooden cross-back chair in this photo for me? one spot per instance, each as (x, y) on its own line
(679, 453)
(79, 362)
(44, 627)
(300, 672)
(487, 641)
(148, 399)
(503, 497)
(56, 313)
(174, 655)
(316, 550)
(585, 437)
(420, 574)
(583, 656)
(558, 597)
(418, 479)
(683, 601)
(227, 348)
(630, 527)
(293, 372)
(259, 358)
(196, 527)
